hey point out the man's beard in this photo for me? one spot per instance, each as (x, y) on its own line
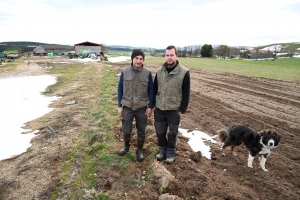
(170, 65)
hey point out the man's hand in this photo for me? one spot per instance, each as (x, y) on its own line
(180, 113)
(148, 112)
(120, 111)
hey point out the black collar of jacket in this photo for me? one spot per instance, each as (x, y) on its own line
(170, 69)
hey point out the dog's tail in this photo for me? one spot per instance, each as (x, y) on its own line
(222, 135)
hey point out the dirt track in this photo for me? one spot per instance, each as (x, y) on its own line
(218, 100)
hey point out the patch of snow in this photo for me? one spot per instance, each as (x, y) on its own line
(196, 141)
(119, 59)
(21, 101)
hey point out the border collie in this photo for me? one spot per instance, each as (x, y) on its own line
(257, 143)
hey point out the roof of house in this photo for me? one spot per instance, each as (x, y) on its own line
(55, 46)
(261, 51)
(87, 44)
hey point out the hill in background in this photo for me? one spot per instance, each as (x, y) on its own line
(25, 46)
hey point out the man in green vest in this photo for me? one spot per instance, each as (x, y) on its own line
(171, 99)
(135, 100)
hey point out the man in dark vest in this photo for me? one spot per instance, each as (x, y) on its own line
(135, 100)
(171, 99)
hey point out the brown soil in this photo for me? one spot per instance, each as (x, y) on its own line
(218, 100)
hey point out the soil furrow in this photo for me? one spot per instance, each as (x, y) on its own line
(280, 97)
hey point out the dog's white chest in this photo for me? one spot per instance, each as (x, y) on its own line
(265, 149)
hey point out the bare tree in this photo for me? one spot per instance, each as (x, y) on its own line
(276, 49)
(197, 50)
(244, 51)
(291, 51)
(189, 50)
(222, 51)
(217, 51)
(268, 52)
(184, 51)
(153, 52)
(233, 52)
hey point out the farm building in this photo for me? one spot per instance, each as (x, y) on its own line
(86, 47)
(260, 54)
(52, 48)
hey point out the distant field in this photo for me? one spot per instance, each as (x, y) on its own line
(285, 69)
(114, 53)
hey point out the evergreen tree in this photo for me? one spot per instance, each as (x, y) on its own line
(206, 50)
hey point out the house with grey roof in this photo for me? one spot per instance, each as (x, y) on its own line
(261, 54)
(52, 48)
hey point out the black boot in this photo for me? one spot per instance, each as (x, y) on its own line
(125, 148)
(139, 151)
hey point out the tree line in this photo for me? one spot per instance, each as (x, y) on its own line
(208, 51)
(225, 51)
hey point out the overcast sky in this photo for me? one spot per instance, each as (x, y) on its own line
(151, 23)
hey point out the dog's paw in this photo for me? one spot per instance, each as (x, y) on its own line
(265, 170)
(223, 154)
(250, 166)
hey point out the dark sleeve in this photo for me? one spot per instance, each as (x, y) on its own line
(155, 88)
(185, 93)
(150, 91)
(120, 90)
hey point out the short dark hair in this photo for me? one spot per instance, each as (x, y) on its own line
(172, 47)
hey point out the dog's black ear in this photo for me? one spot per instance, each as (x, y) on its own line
(222, 135)
(263, 133)
(255, 135)
(278, 137)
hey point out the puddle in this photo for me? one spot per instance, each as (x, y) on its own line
(21, 101)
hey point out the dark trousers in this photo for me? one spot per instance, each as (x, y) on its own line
(140, 118)
(164, 120)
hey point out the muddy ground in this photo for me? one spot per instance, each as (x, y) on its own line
(218, 100)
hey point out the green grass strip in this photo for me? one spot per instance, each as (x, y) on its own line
(285, 69)
(67, 73)
(97, 140)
